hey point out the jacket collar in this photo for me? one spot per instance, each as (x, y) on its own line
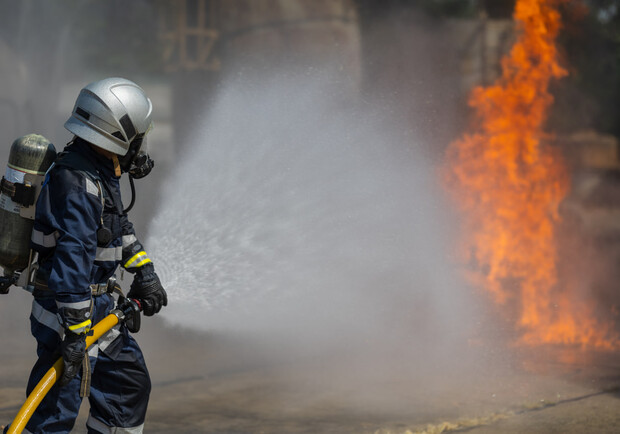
(104, 165)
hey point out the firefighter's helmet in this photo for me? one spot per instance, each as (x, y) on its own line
(110, 114)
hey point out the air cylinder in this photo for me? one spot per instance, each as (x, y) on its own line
(30, 157)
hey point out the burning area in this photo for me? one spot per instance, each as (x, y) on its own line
(509, 179)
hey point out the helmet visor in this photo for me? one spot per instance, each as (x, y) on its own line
(137, 161)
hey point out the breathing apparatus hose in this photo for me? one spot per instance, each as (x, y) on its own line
(122, 312)
(133, 195)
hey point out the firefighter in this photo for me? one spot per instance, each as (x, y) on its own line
(82, 234)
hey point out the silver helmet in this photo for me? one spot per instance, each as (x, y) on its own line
(110, 114)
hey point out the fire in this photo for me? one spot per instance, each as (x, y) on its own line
(509, 182)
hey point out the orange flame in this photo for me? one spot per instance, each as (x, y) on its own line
(510, 182)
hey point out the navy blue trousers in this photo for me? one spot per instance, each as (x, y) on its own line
(120, 382)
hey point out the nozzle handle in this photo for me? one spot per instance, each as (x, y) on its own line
(128, 311)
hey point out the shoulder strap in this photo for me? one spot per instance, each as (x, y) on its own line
(81, 164)
(75, 161)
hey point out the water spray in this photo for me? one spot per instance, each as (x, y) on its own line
(313, 226)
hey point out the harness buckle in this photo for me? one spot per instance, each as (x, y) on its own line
(20, 193)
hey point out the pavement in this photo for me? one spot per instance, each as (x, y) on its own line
(210, 383)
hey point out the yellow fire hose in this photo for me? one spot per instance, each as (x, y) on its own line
(49, 379)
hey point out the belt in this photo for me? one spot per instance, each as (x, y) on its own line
(95, 289)
(101, 288)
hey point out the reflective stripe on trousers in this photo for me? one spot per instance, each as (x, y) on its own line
(102, 428)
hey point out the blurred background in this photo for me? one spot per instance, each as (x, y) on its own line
(420, 58)
(432, 51)
(297, 144)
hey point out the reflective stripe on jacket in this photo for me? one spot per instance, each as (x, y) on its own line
(81, 194)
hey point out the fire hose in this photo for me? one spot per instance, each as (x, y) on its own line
(126, 311)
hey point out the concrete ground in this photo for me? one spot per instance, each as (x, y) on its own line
(223, 384)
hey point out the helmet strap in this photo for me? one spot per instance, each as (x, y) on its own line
(117, 165)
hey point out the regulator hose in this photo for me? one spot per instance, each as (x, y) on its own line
(133, 195)
(125, 311)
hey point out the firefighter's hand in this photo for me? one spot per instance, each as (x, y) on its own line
(147, 289)
(73, 350)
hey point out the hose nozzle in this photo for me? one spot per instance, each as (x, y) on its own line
(128, 311)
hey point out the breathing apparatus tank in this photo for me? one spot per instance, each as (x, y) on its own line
(29, 159)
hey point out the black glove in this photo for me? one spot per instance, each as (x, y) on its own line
(73, 350)
(147, 289)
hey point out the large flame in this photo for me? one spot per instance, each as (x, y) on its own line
(510, 181)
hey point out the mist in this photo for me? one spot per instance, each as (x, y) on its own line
(313, 226)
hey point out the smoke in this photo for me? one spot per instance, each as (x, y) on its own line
(302, 230)
(313, 225)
